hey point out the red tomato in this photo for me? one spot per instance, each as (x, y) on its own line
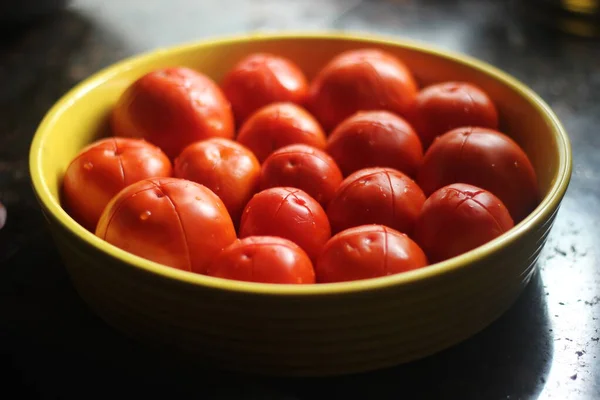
(376, 196)
(303, 167)
(449, 105)
(458, 218)
(172, 108)
(278, 125)
(289, 213)
(102, 169)
(171, 221)
(261, 79)
(265, 259)
(484, 158)
(360, 80)
(368, 251)
(225, 167)
(375, 139)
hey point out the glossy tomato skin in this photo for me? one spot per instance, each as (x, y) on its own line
(171, 221)
(375, 139)
(303, 167)
(361, 80)
(226, 167)
(261, 79)
(382, 196)
(484, 158)
(445, 106)
(289, 213)
(172, 108)
(458, 218)
(263, 259)
(102, 169)
(368, 251)
(278, 125)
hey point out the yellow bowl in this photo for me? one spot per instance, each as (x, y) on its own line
(300, 330)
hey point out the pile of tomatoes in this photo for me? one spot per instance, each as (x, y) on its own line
(269, 177)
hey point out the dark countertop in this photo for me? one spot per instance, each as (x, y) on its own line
(51, 346)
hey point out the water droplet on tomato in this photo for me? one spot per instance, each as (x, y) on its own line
(88, 166)
(145, 215)
(516, 164)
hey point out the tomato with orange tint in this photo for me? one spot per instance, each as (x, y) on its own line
(381, 196)
(458, 218)
(279, 125)
(172, 108)
(102, 169)
(171, 221)
(361, 80)
(264, 259)
(289, 213)
(375, 139)
(225, 167)
(260, 79)
(303, 167)
(368, 251)
(449, 105)
(484, 158)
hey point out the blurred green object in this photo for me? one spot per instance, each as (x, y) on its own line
(24, 11)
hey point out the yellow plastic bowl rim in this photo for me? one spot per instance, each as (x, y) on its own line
(542, 213)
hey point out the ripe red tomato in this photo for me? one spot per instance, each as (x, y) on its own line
(458, 218)
(376, 196)
(375, 139)
(368, 251)
(171, 221)
(449, 105)
(278, 125)
(225, 167)
(265, 259)
(289, 213)
(261, 79)
(102, 169)
(360, 80)
(172, 108)
(303, 167)
(484, 158)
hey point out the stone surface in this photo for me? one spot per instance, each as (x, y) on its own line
(51, 346)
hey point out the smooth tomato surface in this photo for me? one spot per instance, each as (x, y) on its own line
(102, 169)
(278, 125)
(458, 218)
(172, 108)
(361, 80)
(484, 158)
(261, 79)
(303, 167)
(265, 259)
(289, 213)
(381, 196)
(171, 221)
(368, 251)
(225, 167)
(375, 139)
(449, 105)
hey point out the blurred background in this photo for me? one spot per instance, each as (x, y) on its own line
(546, 346)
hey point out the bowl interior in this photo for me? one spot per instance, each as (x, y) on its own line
(81, 116)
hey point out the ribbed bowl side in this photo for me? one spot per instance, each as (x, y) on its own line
(300, 335)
